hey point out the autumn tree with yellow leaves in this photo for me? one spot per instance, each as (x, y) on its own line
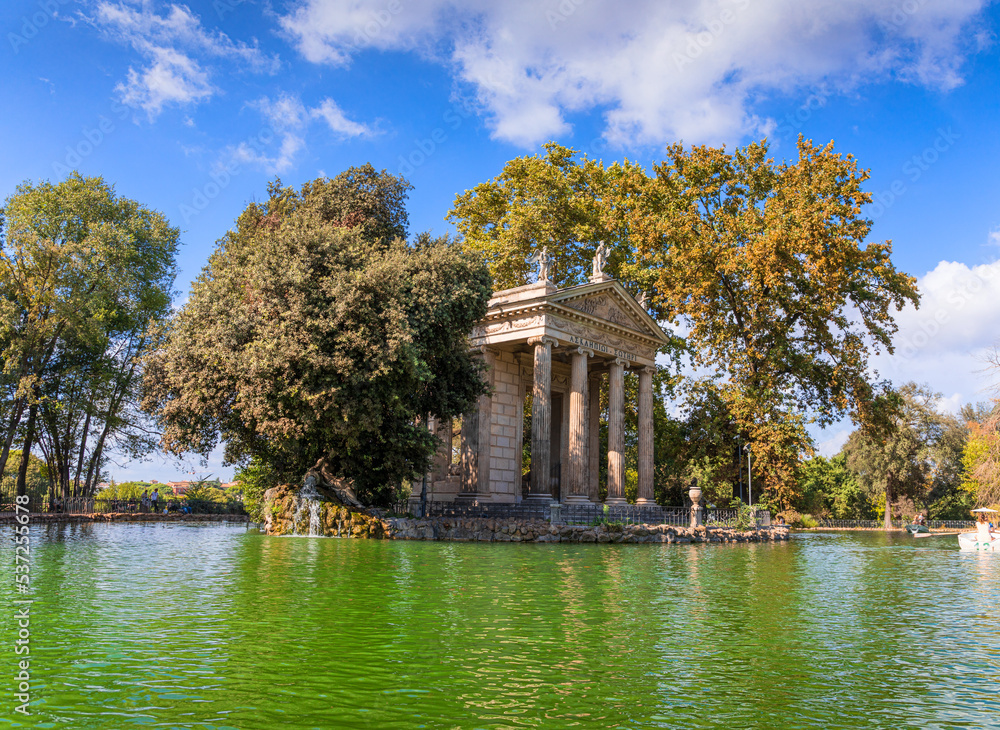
(765, 265)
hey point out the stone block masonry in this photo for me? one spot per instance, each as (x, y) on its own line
(451, 529)
(341, 522)
(505, 456)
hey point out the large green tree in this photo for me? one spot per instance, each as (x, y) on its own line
(552, 202)
(85, 276)
(317, 332)
(766, 265)
(908, 453)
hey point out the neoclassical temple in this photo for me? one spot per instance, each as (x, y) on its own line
(558, 345)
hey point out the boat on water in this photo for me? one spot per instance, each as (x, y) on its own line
(915, 528)
(983, 539)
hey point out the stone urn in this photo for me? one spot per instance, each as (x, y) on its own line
(695, 493)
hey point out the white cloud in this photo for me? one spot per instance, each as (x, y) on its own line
(285, 112)
(289, 118)
(944, 343)
(171, 77)
(959, 317)
(291, 143)
(174, 47)
(950, 404)
(659, 71)
(339, 124)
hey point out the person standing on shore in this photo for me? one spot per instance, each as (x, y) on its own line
(154, 498)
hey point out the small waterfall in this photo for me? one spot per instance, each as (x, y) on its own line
(308, 500)
(314, 507)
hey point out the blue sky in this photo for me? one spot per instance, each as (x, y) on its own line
(192, 108)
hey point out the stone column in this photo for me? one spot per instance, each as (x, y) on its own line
(442, 460)
(483, 479)
(577, 472)
(616, 433)
(541, 421)
(594, 438)
(646, 437)
(470, 454)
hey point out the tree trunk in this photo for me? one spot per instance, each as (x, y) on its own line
(95, 460)
(15, 419)
(29, 437)
(888, 506)
(79, 462)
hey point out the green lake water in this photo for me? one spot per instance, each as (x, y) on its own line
(209, 626)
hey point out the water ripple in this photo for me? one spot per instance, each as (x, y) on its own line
(188, 626)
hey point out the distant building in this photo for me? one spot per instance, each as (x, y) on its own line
(180, 487)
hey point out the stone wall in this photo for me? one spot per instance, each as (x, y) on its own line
(505, 429)
(514, 530)
(286, 514)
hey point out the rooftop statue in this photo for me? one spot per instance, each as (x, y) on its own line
(600, 259)
(542, 259)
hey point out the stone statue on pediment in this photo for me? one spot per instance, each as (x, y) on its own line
(542, 259)
(600, 259)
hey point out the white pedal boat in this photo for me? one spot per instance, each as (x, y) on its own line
(976, 542)
(970, 541)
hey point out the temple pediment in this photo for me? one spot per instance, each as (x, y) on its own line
(600, 316)
(610, 303)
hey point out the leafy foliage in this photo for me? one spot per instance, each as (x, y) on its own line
(36, 478)
(255, 478)
(85, 276)
(765, 264)
(204, 492)
(126, 490)
(904, 458)
(829, 488)
(981, 457)
(315, 332)
(551, 201)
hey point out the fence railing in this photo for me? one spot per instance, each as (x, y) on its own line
(896, 524)
(629, 514)
(582, 514)
(96, 505)
(486, 509)
(728, 517)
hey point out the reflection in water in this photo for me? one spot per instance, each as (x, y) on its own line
(215, 627)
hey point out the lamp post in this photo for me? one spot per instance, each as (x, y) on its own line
(739, 462)
(423, 484)
(749, 477)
